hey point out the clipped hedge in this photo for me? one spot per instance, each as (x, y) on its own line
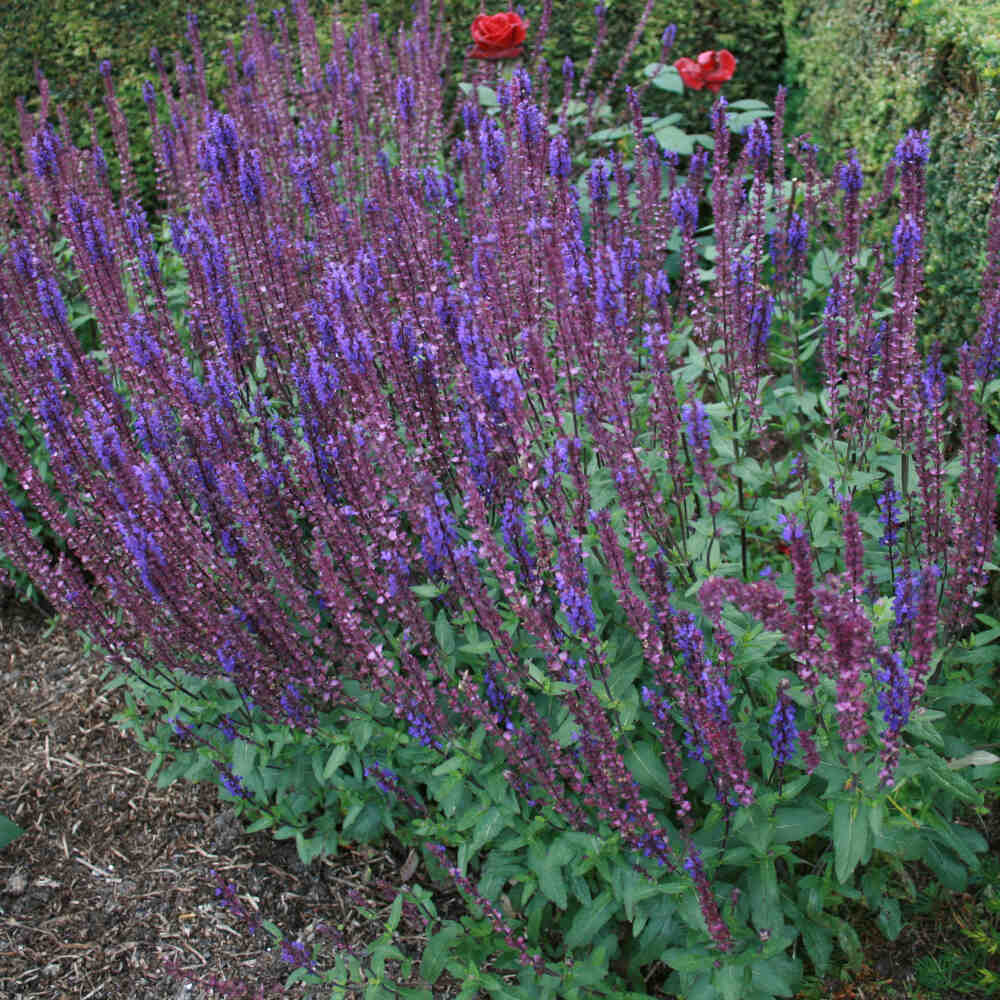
(67, 39)
(869, 70)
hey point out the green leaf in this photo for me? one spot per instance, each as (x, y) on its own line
(978, 758)
(850, 836)
(552, 883)
(395, 914)
(747, 104)
(890, 920)
(952, 782)
(795, 823)
(487, 828)
(665, 78)
(962, 694)
(337, 757)
(824, 265)
(605, 135)
(589, 920)
(480, 647)
(444, 634)
(262, 823)
(778, 976)
(819, 944)
(684, 960)
(950, 872)
(361, 731)
(308, 847)
(755, 828)
(487, 97)
(729, 982)
(453, 764)
(437, 952)
(647, 767)
(673, 139)
(765, 900)
(9, 831)
(244, 754)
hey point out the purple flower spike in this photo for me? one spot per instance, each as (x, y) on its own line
(850, 179)
(784, 731)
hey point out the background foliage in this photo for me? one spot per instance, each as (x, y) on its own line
(910, 64)
(67, 39)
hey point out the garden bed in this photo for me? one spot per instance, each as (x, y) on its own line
(111, 878)
(109, 881)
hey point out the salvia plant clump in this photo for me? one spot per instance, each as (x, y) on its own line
(599, 521)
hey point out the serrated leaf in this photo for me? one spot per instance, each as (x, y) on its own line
(647, 768)
(765, 900)
(665, 78)
(889, 919)
(952, 782)
(610, 134)
(684, 960)
(589, 921)
(448, 766)
(747, 104)
(793, 823)
(824, 266)
(487, 97)
(819, 944)
(337, 757)
(777, 976)
(395, 914)
(437, 952)
(950, 872)
(728, 981)
(481, 647)
(244, 754)
(444, 633)
(673, 139)
(487, 828)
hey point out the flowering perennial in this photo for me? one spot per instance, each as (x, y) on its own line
(379, 411)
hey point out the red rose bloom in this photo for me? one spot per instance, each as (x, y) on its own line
(690, 73)
(716, 68)
(711, 70)
(498, 36)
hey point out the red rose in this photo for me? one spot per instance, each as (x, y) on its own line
(690, 73)
(498, 36)
(711, 70)
(716, 68)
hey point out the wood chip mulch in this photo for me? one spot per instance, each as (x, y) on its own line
(111, 882)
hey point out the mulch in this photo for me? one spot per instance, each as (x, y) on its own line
(111, 882)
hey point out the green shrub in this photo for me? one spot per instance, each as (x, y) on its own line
(67, 39)
(917, 64)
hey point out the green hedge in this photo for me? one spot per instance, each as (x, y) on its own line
(67, 39)
(869, 70)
